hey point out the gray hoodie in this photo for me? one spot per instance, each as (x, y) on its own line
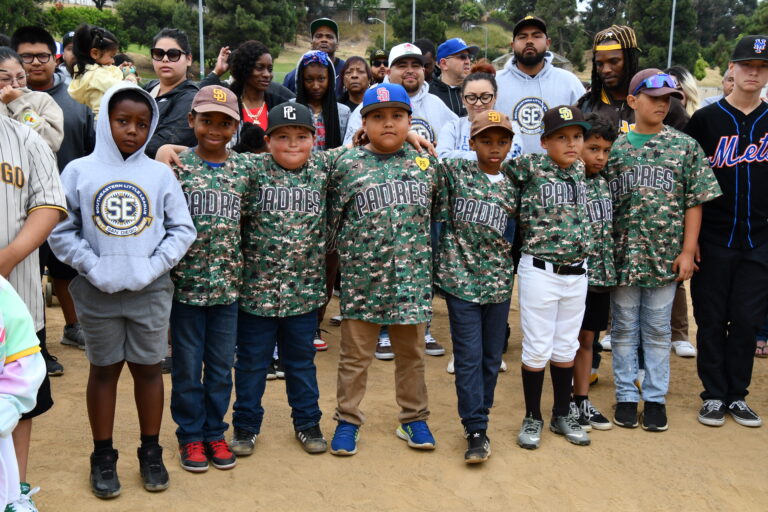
(128, 221)
(525, 98)
(430, 114)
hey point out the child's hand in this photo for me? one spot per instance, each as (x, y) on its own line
(8, 94)
(360, 138)
(168, 154)
(684, 266)
(222, 61)
(420, 143)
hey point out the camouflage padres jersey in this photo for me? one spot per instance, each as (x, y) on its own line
(600, 213)
(651, 187)
(284, 232)
(474, 262)
(209, 274)
(553, 208)
(380, 205)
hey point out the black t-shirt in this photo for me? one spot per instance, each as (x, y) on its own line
(737, 148)
(623, 116)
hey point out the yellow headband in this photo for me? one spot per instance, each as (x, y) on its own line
(604, 47)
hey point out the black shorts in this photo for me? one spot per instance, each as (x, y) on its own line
(44, 400)
(56, 269)
(596, 312)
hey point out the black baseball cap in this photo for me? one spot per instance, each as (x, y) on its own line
(528, 21)
(562, 116)
(289, 113)
(379, 54)
(68, 37)
(750, 48)
(323, 22)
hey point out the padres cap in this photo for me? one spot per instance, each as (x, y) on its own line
(490, 119)
(289, 113)
(378, 54)
(562, 116)
(750, 48)
(624, 36)
(654, 82)
(454, 46)
(323, 22)
(404, 50)
(385, 95)
(216, 98)
(527, 21)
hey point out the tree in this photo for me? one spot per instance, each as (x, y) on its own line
(272, 22)
(431, 19)
(64, 19)
(601, 14)
(365, 8)
(19, 13)
(470, 11)
(651, 20)
(716, 17)
(519, 10)
(568, 38)
(142, 19)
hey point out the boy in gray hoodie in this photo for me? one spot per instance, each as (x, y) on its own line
(128, 225)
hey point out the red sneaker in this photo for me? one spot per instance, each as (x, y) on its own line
(192, 457)
(319, 342)
(220, 454)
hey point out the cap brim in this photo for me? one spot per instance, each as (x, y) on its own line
(486, 128)
(272, 128)
(583, 124)
(416, 56)
(525, 23)
(217, 108)
(662, 91)
(324, 23)
(752, 57)
(385, 104)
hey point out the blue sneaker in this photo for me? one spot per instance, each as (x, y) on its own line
(345, 439)
(417, 434)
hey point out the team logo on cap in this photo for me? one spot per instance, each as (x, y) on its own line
(289, 112)
(565, 114)
(494, 117)
(759, 45)
(121, 208)
(382, 94)
(220, 95)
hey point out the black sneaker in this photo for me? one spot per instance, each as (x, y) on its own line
(712, 413)
(52, 364)
(272, 370)
(581, 418)
(166, 365)
(478, 447)
(626, 414)
(312, 440)
(243, 442)
(743, 415)
(104, 481)
(152, 469)
(595, 417)
(655, 417)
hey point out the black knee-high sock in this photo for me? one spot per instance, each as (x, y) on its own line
(533, 382)
(561, 387)
(102, 446)
(148, 441)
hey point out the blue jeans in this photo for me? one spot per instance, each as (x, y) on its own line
(478, 332)
(203, 343)
(641, 316)
(256, 337)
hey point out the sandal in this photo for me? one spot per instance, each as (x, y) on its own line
(761, 350)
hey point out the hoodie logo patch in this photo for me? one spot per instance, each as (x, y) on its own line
(423, 128)
(528, 115)
(121, 208)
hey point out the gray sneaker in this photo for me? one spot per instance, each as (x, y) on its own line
(530, 433)
(73, 336)
(568, 426)
(242, 442)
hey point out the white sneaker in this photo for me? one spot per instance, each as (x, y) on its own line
(25, 502)
(336, 320)
(450, 368)
(684, 348)
(503, 367)
(606, 342)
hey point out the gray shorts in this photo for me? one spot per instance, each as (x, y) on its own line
(124, 326)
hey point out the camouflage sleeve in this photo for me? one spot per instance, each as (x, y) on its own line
(440, 198)
(248, 203)
(334, 206)
(700, 182)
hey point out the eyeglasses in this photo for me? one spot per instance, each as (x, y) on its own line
(173, 54)
(28, 58)
(377, 63)
(460, 56)
(655, 82)
(484, 98)
(20, 80)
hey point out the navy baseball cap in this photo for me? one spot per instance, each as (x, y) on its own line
(323, 22)
(750, 48)
(385, 95)
(529, 21)
(289, 113)
(454, 46)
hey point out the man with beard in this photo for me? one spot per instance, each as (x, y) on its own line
(378, 62)
(324, 33)
(529, 84)
(406, 68)
(614, 63)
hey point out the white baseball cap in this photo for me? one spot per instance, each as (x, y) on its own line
(404, 50)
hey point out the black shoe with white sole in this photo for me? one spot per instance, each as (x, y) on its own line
(712, 413)
(312, 440)
(626, 414)
(655, 417)
(743, 415)
(478, 447)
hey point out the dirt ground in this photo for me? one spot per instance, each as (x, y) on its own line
(689, 467)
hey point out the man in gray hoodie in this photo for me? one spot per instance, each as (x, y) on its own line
(529, 84)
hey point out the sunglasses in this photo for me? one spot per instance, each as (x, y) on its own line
(484, 98)
(377, 63)
(460, 56)
(656, 82)
(29, 58)
(173, 54)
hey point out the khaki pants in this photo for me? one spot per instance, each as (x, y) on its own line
(358, 345)
(680, 315)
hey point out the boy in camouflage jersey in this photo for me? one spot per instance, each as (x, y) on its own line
(602, 274)
(553, 270)
(380, 200)
(204, 311)
(658, 178)
(474, 269)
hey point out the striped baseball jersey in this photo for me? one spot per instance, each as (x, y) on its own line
(29, 180)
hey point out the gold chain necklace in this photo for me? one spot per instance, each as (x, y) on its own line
(254, 119)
